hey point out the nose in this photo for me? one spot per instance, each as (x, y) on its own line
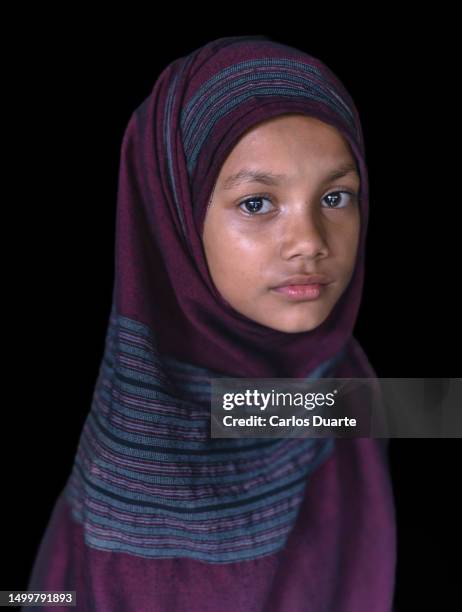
(304, 235)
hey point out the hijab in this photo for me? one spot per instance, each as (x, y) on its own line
(173, 148)
(147, 477)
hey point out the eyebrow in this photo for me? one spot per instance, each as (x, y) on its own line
(247, 175)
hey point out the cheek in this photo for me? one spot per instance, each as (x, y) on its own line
(242, 257)
(238, 245)
(345, 241)
(236, 262)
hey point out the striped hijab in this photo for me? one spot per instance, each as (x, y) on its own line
(147, 478)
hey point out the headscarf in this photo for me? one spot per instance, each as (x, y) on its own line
(147, 478)
(174, 146)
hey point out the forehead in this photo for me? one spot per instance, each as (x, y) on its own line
(287, 140)
(283, 152)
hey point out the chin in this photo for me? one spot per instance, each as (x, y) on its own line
(302, 328)
(295, 328)
(302, 324)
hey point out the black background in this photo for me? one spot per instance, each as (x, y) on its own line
(74, 93)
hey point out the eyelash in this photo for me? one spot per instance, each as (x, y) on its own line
(266, 196)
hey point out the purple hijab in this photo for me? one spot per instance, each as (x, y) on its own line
(173, 148)
(155, 514)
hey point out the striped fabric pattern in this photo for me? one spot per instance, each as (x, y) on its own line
(232, 86)
(150, 481)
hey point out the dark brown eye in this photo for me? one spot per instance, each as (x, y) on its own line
(333, 200)
(253, 205)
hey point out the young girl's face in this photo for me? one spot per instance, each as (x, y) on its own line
(257, 233)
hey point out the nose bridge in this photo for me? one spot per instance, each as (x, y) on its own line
(305, 227)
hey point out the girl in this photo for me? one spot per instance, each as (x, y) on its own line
(242, 174)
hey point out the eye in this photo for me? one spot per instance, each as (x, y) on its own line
(253, 204)
(335, 194)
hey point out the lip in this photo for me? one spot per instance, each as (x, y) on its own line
(304, 279)
(307, 292)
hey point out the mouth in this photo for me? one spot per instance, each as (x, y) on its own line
(304, 279)
(306, 292)
(303, 286)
